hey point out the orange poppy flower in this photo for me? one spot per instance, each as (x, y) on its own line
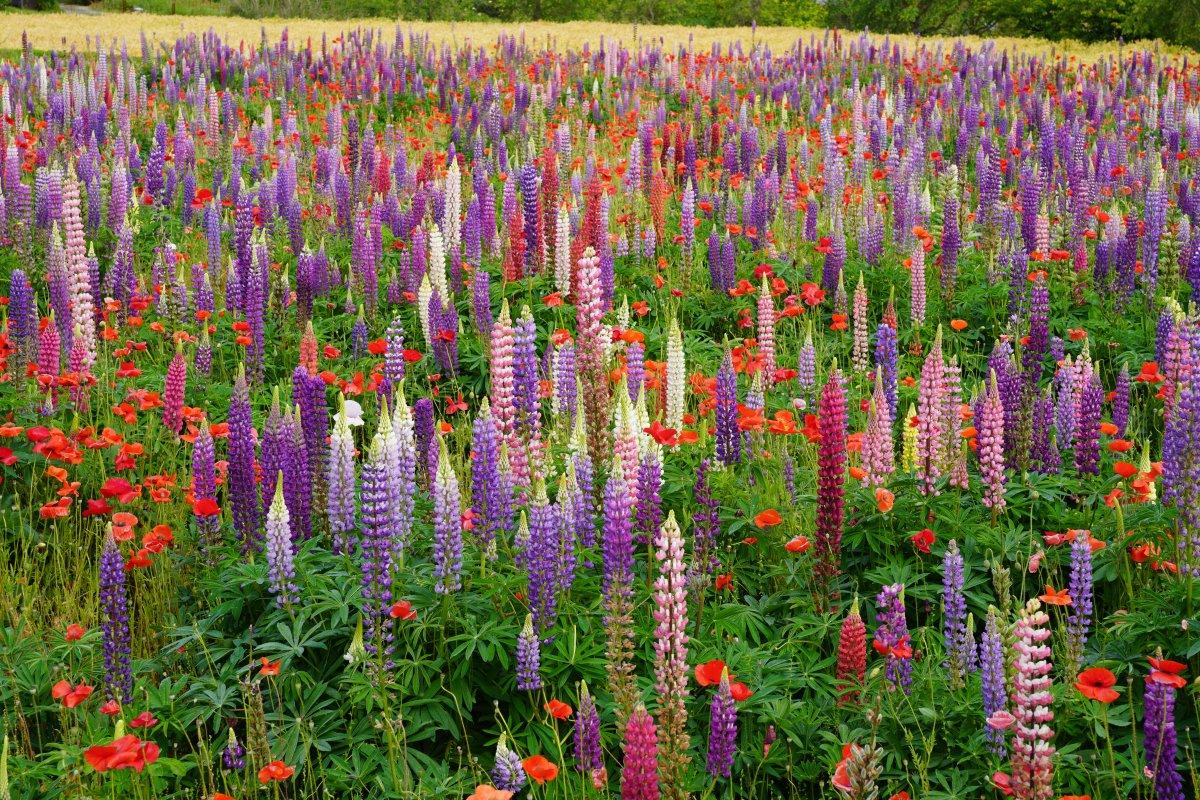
(1056, 598)
(1120, 445)
(884, 500)
(269, 667)
(1108, 429)
(1125, 469)
(958, 324)
(485, 791)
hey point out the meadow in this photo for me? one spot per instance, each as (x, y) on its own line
(592, 411)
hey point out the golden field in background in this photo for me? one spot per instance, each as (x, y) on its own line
(61, 31)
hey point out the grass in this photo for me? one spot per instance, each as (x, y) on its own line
(59, 30)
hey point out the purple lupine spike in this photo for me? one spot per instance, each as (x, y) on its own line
(722, 732)
(298, 479)
(885, 362)
(1087, 445)
(1079, 618)
(589, 757)
(635, 369)
(243, 487)
(529, 649)
(995, 692)
(649, 491)
(114, 606)
(892, 633)
(542, 557)
(508, 774)
(204, 485)
(22, 321)
(393, 364)
(1160, 739)
(375, 548)
(729, 437)
(959, 644)
(485, 479)
(566, 382)
(423, 432)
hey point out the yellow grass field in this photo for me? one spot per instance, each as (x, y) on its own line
(58, 31)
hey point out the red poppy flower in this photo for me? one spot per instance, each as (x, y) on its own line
(1096, 684)
(923, 539)
(71, 696)
(75, 632)
(403, 610)
(709, 673)
(540, 769)
(768, 518)
(269, 668)
(740, 691)
(128, 752)
(798, 544)
(668, 437)
(143, 720)
(724, 581)
(558, 709)
(206, 507)
(275, 771)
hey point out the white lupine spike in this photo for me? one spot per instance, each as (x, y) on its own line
(676, 377)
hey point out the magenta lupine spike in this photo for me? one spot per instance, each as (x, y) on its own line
(766, 330)
(930, 399)
(858, 315)
(49, 355)
(990, 432)
(639, 774)
(878, 446)
(1032, 750)
(670, 649)
(173, 390)
(831, 489)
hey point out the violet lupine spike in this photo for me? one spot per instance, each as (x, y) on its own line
(542, 557)
(242, 483)
(1159, 737)
(375, 549)
(507, 774)
(729, 436)
(722, 733)
(114, 607)
(589, 757)
(485, 479)
(960, 646)
(529, 678)
(1087, 445)
(892, 634)
(1079, 617)
(204, 487)
(992, 679)
(22, 321)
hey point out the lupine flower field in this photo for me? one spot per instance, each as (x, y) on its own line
(390, 419)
